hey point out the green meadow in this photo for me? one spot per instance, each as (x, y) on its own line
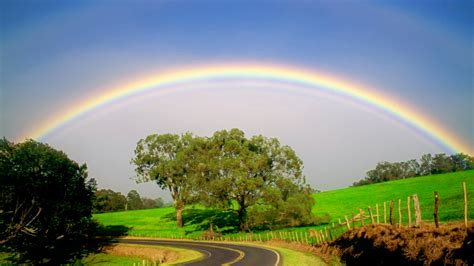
(335, 203)
(338, 203)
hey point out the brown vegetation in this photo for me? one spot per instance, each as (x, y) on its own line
(388, 245)
(146, 253)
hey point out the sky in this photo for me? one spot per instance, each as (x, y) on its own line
(55, 54)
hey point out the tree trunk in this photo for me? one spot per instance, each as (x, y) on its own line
(179, 214)
(242, 215)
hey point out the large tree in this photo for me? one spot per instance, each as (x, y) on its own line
(45, 203)
(240, 172)
(166, 159)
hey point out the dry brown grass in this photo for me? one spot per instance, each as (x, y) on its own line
(147, 253)
(388, 245)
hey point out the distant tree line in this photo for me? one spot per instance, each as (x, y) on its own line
(257, 178)
(107, 200)
(427, 165)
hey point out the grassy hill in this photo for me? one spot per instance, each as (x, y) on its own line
(336, 203)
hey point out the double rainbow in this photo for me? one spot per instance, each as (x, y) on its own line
(276, 73)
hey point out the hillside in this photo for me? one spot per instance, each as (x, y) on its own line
(336, 203)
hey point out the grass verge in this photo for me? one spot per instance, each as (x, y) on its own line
(121, 254)
(291, 257)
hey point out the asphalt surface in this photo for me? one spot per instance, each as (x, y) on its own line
(218, 253)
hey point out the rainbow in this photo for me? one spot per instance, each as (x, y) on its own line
(277, 73)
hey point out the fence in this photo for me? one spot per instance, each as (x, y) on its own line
(348, 222)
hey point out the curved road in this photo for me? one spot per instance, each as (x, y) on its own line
(218, 253)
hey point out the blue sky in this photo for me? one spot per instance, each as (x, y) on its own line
(419, 52)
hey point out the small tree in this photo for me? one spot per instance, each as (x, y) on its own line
(426, 164)
(442, 164)
(462, 162)
(148, 203)
(159, 203)
(134, 201)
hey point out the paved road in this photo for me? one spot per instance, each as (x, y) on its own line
(218, 253)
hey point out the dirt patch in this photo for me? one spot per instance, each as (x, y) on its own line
(388, 245)
(147, 253)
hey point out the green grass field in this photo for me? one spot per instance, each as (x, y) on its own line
(336, 203)
(342, 202)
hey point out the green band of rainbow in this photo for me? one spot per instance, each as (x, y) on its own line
(258, 71)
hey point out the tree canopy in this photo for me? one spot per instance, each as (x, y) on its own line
(229, 171)
(107, 200)
(165, 159)
(134, 201)
(45, 203)
(245, 173)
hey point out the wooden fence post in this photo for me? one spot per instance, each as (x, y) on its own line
(409, 211)
(385, 212)
(377, 212)
(371, 216)
(465, 203)
(347, 222)
(361, 215)
(416, 203)
(399, 213)
(435, 213)
(392, 222)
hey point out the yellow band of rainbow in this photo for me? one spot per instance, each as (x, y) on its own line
(257, 71)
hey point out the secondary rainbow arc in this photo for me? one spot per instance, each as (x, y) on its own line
(257, 71)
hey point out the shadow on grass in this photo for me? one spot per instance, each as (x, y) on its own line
(66, 249)
(112, 231)
(201, 219)
(104, 236)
